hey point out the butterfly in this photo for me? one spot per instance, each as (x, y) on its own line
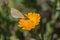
(16, 13)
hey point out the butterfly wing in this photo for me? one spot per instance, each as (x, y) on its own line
(16, 14)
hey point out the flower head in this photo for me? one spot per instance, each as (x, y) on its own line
(31, 22)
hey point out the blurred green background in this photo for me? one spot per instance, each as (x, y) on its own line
(49, 28)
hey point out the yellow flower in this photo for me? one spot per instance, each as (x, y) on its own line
(31, 22)
(35, 17)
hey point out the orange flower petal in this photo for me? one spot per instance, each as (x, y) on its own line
(31, 22)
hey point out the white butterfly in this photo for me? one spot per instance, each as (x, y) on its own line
(16, 13)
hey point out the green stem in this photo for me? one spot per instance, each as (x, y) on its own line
(54, 7)
(42, 32)
(53, 14)
(35, 34)
(50, 25)
(42, 36)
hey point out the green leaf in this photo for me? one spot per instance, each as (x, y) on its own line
(13, 37)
